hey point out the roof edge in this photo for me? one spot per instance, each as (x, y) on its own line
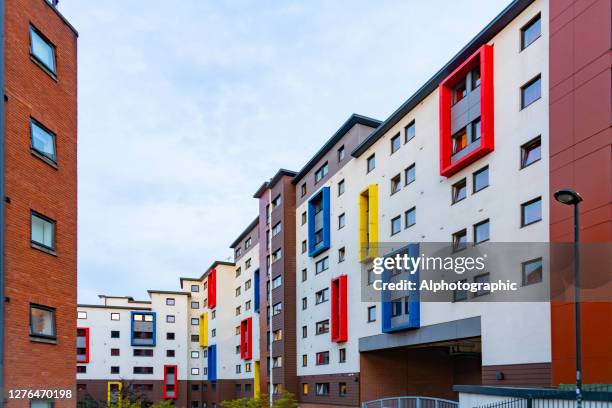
(252, 225)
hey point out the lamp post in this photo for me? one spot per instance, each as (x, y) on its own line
(570, 197)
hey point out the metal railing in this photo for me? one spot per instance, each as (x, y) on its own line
(594, 396)
(410, 402)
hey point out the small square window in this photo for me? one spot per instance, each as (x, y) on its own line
(42, 230)
(115, 352)
(170, 336)
(114, 370)
(81, 315)
(42, 322)
(531, 152)
(371, 164)
(42, 50)
(532, 271)
(460, 294)
(195, 321)
(396, 225)
(531, 212)
(170, 319)
(170, 301)
(115, 316)
(395, 143)
(195, 354)
(481, 232)
(459, 191)
(480, 179)
(531, 92)
(195, 371)
(81, 369)
(42, 140)
(195, 288)
(531, 32)
(410, 174)
(115, 334)
(409, 132)
(410, 217)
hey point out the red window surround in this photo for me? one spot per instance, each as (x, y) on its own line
(83, 335)
(212, 289)
(339, 309)
(246, 336)
(484, 57)
(170, 382)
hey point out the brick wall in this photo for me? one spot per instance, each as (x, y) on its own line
(33, 276)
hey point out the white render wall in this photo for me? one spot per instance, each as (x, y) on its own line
(504, 325)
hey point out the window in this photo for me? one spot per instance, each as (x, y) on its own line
(371, 314)
(480, 179)
(238, 252)
(322, 265)
(238, 290)
(531, 152)
(277, 201)
(195, 354)
(195, 305)
(169, 336)
(396, 307)
(247, 285)
(460, 294)
(238, 272)
(238, 370)
(371, 276)
(304, 246)
(304, 360)
(304, 303)
(459, 91)
(341, 153)
(342, 355)
(81, 369)
(484, 278)
(303, 189)
(459, 141)
(459, 240)
(115, 352)
(276, 255)
(395, 143)
(247, 243)
(323, 358)
(115, 334)
(277, 362)
(342, 389)
(481, 232)
(396, 225)
(42, 230)
(213, 332)
(42, 140)
(81, 315)
(476, 77)
(170, 319)
(143, 352)
(322, 296)
(531, 32)
(143, 370)
(238, 310)
(459, 191)
(247, 305)
(410, 132)
(195, 321)
(396, 183)
(532, 271)
(195, 288)
(247, 369)
(276, 282)
(371, 163)
(195, 338)
(410, 174)
(322, 388)
(277, 308)
(341, 187)
(304, 388)
(341, 221)
(115, 316)
(531, 92)
(170, 301)
(304, 332)
(277, 335)
(42, 322)
(531, 211)
(195, 371)
(321, 172)
(276, 229)
(475, 130)
(304, 218)
(341, 254)
(410, 217)
(42, 50)
(304, 275)
(322, 327)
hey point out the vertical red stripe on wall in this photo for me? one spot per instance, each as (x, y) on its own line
(175, 396)
(212, 289)
(246, 338)
(86, 332)
(339, 309)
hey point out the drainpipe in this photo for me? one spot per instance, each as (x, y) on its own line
(2, 106)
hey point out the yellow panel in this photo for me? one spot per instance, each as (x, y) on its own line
(363, 225)
(204, 330)
(373, 220)
(256, 389)
(108, 397)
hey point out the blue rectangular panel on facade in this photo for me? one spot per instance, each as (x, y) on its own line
(212, 362)
(409, 316)
(319, 221)
(256, 291)
(143, 329)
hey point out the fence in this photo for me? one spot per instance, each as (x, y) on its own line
(410, 402)
(593, 396)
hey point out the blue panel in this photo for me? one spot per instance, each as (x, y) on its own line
(212, 362)
(256, 291)
(323, 196)
(136, 342)
(413, 319)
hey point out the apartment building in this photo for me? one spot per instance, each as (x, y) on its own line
(38, 124)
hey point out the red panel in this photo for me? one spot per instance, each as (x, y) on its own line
(246, 339)
(175, 396)
(212, 289)
(484, 57)
(339, 309)
(86, 330)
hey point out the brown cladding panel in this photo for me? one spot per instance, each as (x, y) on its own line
(352, 389)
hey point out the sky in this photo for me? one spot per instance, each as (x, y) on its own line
(186, 107)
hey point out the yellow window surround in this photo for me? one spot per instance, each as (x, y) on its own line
(204, 330)
(368, 223)
(119, 387)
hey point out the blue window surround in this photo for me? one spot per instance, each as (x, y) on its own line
(256, 291)
(212, 362)
(132, 328)
(414, 305)
(322, 195)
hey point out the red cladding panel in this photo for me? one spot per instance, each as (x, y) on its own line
(246, 339)
(339, 309)
(170, 388)
(212, 289)
(84, 332)
(484, 57)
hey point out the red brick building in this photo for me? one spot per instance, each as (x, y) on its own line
(39, 218)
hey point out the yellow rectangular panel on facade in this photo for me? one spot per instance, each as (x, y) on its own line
(110, 391)
(256, 379)
(204, 330)
(368, 223)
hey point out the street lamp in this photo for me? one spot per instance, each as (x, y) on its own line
(570, 197)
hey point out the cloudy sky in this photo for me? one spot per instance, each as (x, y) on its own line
(186, 107)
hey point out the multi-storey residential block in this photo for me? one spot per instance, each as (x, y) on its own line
(38, 124)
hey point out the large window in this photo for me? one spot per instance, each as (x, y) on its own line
(322, 296)
(531, 211)
(531, 152)
(395, 143)
(42, 230)
(42, 322)
(322, 327)
(323, 358)
(42, 140)
(531, 92)
(481, 232)
(410, 131)
(322, 388)
(459, 191)
(410, 217)
(321, 172)
(480, 179)
(322, 265)
(531, 32)
(42, 50)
